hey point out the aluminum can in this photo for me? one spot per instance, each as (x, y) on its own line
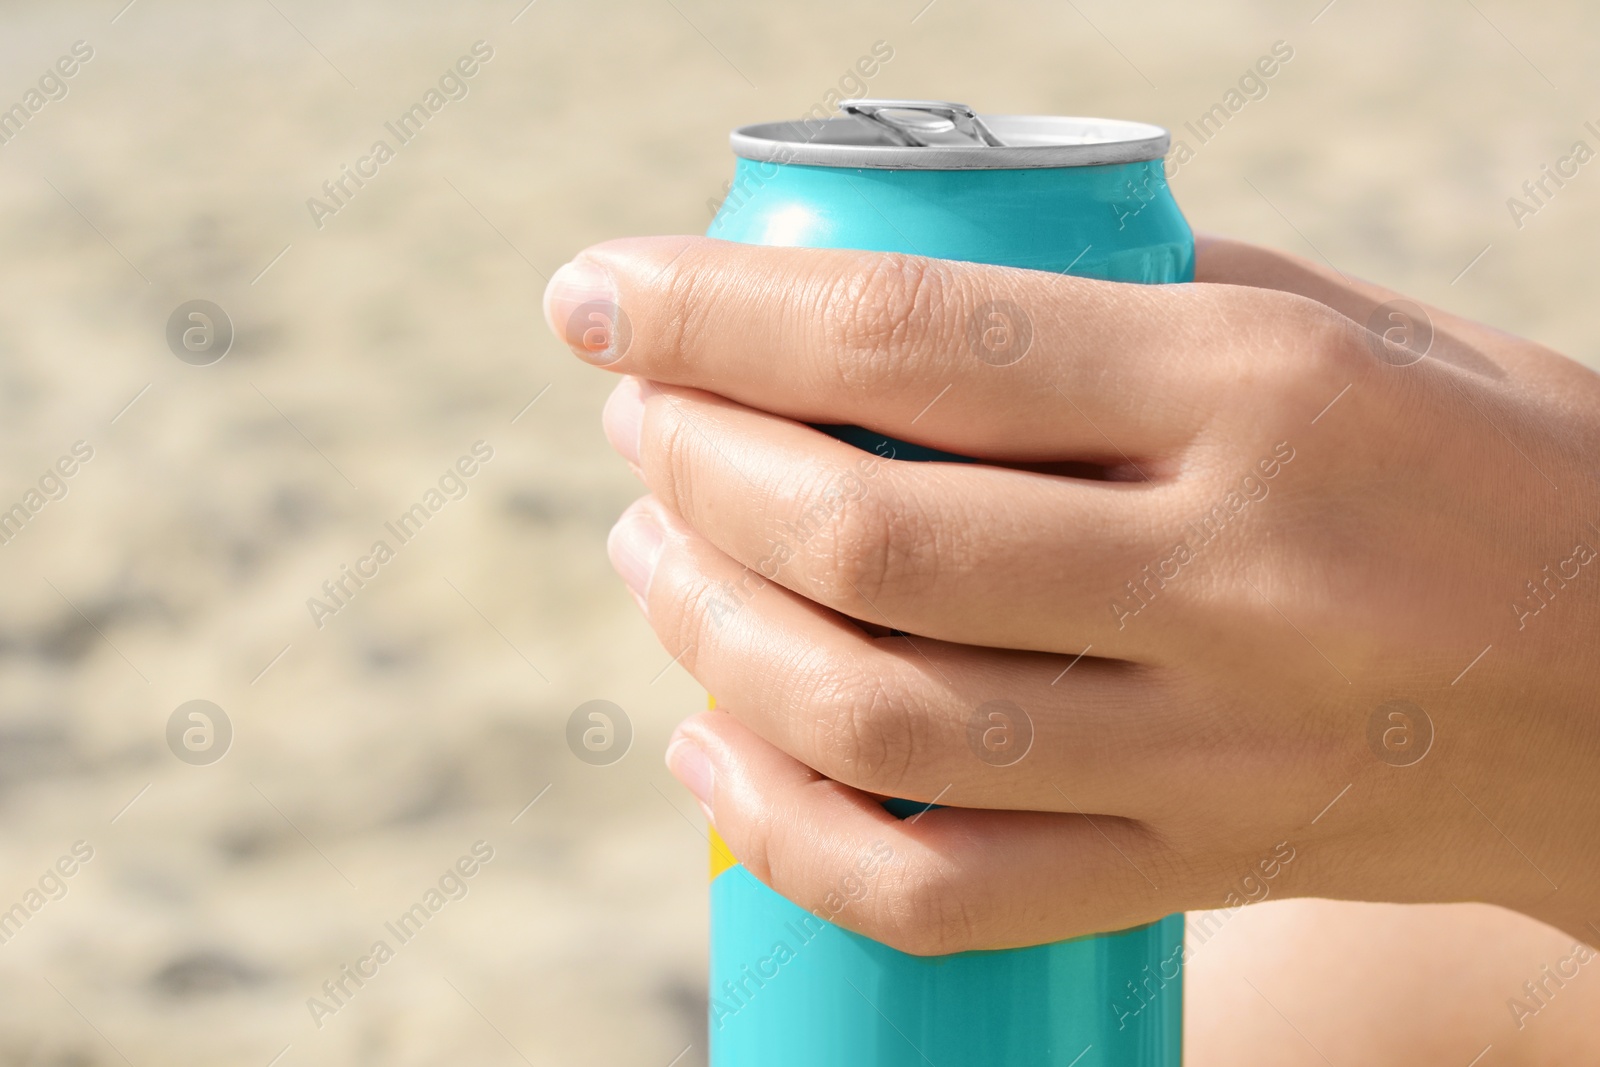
(1087, 197)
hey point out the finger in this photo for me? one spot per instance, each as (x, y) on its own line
(1436, 332)
(905, 717)
(1225, 261)
(935, 885)
(977, 360)
(959, 552)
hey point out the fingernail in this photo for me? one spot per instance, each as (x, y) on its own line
(635, 546)
(580, 306)
(623, 418)
(690, 765)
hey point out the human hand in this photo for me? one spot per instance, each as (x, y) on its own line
(1219, 530)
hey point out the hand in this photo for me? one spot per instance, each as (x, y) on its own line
(1235, 580)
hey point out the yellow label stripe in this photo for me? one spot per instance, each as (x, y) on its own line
(721, 858)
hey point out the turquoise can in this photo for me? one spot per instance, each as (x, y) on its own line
(1088, 197)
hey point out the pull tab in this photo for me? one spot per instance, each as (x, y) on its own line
(919, 123)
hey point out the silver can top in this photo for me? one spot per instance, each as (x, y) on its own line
(938, 135)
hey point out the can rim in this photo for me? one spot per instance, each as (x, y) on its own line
(1031, 141)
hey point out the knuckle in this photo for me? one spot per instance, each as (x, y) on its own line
(875, 545)
(1333, 354)
(853, 553)
(761, 851)
(927, 913)
(868, 732)
(1336, 346)
(878, 319)
(1322, 345)
(1285, 356)
(686, 619)
(671, 458)
(683, 314)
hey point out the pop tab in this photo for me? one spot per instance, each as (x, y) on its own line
(941, 135)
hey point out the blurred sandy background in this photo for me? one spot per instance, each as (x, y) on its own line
(430, 711)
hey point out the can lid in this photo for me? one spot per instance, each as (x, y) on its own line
(939, 135)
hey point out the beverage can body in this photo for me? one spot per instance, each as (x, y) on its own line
(1117, 222)
(790, 987)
